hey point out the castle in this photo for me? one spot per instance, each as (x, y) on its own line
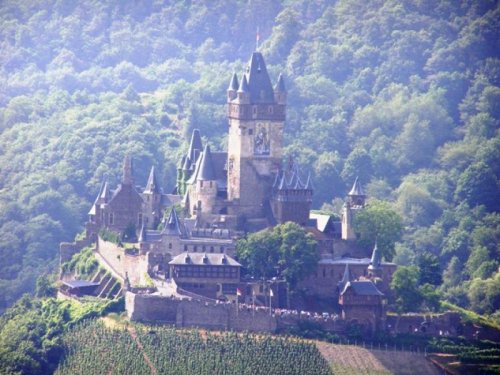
(189, 237)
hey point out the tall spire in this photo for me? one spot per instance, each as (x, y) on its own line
(152, 185)
(127, 171)
(376, 259)
(195, 146)
(345, 279)
(207, 170)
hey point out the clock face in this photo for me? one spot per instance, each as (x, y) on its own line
(261, 140)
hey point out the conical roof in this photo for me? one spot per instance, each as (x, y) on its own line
(309, 185)
(376, 258)
(357, 189)
(172, 226)
(243, 85)
(207, 170)
(346, 278)
(233, 85)
(152, 186)
(280, 85)
(261, 89)
(195, 146)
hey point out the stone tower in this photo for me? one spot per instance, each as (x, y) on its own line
(355, 201)
(256, 115)
(152, 201)
(291, 199)
(203, 187)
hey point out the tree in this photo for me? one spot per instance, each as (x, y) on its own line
(378, 222)
(478, 185)
(259, 252)
(298, 254)
(430, 270)
(404, 283)
(287, 250)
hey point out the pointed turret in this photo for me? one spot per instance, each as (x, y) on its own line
(345, 278)
(127, 171)
(357, 189)
(152, 187)
(142, 234)
(195, 147)
(172, 226)
(243, 88)
(280, 91)
(277, 180)
(374, 267)
(207, 170)
(233, 87)
(283, 184)
(280, 85)
(356, 197)
(309, 185)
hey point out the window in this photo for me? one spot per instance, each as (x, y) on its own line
(185, 247)
(211, 249)
(250, 131)
(111, 219)
(139, 220)
(170, 245)
(222, 249)
(195, 248)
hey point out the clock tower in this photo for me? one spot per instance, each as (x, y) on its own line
(256, 115)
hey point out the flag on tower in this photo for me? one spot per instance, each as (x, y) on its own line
(271, 292)
(257, 39)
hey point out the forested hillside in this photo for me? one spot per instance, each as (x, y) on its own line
(404, 94)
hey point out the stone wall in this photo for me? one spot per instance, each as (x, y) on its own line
(121, 264)
(185, 313)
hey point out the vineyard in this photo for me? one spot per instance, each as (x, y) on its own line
(93, 348)
(354, 360)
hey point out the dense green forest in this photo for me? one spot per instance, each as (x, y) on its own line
(404, 94)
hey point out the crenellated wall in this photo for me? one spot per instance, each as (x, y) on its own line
(186, 313)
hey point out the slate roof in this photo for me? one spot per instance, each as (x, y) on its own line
(79, 283)
(363, 288)
(259, 84)
(152, 186)
(280, 86)
(211, 259)
(172, 226)
(357, 189)
(195, 146)
(206, 171)
(233, 85)
(376, 258)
